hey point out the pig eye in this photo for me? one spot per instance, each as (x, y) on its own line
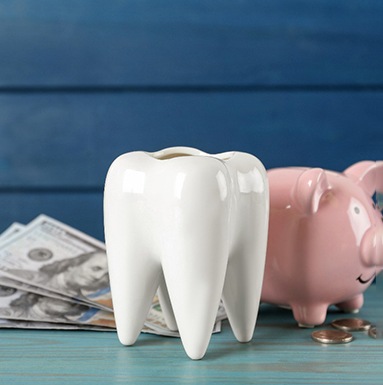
(356, 210)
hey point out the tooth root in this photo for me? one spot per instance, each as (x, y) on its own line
(244, 277)
(166, 306)
(241, 295)
(195, 298)
(134, 272)
(133, 286)
(194, 274)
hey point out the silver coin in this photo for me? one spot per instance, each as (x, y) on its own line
(331, 336)
(351, 324)
(372, 332)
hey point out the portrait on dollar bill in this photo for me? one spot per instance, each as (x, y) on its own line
(19, 305)
(30, 306)
(76, 276)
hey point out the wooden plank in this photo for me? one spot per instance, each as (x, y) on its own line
(151, 43)
(80, 210)
(280, 353)
(69, 140)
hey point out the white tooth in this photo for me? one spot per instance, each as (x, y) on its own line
(201, 218)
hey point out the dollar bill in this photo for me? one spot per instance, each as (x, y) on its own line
(20, 305)
(56, 257)
(19, 309)
(12, 283)
(6, 281)
(17, 324)
(11, 230)
(156, 322)
(45, 268)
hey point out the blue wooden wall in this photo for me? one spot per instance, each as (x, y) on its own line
(295, 82)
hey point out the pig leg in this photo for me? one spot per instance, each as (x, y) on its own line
(310, 315)
(352, 305)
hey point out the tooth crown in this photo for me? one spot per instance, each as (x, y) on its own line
(173, 220)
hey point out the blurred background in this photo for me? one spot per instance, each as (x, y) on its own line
(295, 82)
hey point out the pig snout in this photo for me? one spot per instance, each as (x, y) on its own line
(372, 247)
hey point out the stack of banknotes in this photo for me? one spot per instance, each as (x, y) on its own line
(53, 276)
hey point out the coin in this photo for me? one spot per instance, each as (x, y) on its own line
(351, 324)
(375, 332)
(372, 332)
(330, 336)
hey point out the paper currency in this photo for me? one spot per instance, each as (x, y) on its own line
(6, 281)
(19, 309)
(56, 257)
(156, 324)
(20, 305)
(9, 282)
(23, 310)
(55, 277)
(11, 230)
(15, 324)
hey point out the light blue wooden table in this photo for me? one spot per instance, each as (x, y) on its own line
(280, 353)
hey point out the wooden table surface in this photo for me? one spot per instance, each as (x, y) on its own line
(280, 353)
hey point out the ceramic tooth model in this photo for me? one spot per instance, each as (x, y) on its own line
(325, 239)
(195, 225)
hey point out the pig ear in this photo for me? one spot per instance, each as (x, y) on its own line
(309, 189)
(368, 175)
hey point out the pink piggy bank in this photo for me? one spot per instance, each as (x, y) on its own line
(325, 241)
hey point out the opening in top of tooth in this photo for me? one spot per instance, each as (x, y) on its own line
(170, 156)
(178, 152)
